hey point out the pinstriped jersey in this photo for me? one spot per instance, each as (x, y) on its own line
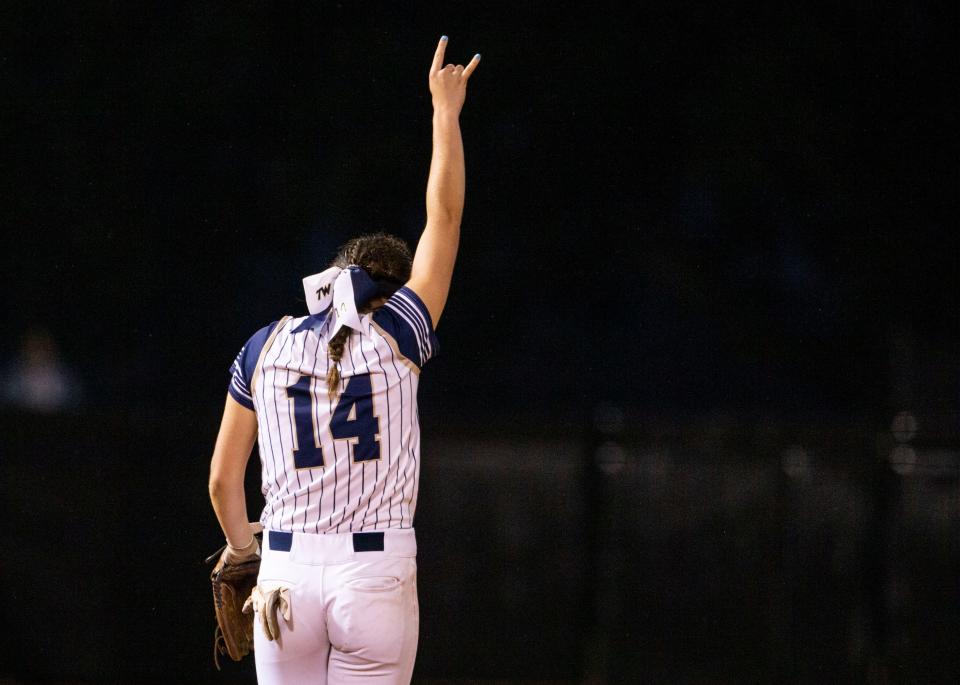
(350, 462)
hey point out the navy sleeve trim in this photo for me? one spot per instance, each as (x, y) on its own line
(244, 400)
(404, 317)
(244, 366)
(390, 323)
(412, 314)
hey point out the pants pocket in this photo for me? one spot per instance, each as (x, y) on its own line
(371, 616)
(374, 584)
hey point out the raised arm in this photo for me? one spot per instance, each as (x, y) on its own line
(437, 249)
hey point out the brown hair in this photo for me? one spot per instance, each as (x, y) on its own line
(384, 257)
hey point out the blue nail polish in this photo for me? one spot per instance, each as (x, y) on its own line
(477, 56)
(443, 38)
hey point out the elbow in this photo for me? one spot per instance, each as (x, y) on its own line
(223, 482)
(215, 488)
(218, 486)
(446, 217)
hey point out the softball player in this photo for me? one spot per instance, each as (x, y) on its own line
(331, 400)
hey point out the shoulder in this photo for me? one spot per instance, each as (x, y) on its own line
(243, 369)
(405, 320)
(254, 346)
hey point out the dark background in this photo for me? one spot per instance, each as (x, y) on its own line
(708, 258)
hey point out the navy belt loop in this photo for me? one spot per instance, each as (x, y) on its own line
(280, 541)
(368, 542)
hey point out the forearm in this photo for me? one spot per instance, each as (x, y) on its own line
(238, 431)
(230, 505)
(445, 187)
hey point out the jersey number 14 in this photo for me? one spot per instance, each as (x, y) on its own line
(352, 420)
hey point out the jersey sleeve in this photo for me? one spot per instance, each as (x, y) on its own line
(243, 367)
(406, 319)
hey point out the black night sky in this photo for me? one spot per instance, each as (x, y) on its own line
(674, 208)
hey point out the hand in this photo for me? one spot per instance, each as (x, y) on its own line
(448, 84)
(234, 556)
(238, 555)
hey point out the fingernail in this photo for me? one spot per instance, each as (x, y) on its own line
(477, 56)
(443, 38)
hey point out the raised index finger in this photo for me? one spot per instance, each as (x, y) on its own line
(438, 55)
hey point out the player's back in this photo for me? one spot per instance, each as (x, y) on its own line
(346, 462)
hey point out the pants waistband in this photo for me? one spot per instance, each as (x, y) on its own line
(311, 548)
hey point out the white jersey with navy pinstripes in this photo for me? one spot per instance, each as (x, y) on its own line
(349, 463)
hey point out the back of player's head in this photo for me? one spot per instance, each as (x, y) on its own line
(383, 256)
(386, 258)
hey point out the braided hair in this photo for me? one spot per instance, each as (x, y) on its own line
(384, 257)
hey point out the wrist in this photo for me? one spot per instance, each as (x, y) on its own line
(249, 548)
(446, 114)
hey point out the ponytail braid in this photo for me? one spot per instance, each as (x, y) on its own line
(334, 355)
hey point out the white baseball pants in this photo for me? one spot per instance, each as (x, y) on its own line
(354, 615)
